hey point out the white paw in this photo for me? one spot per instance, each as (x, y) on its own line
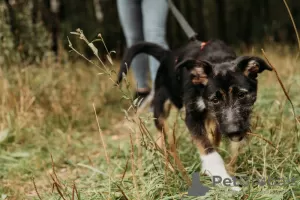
(213, 166)
(236, 188)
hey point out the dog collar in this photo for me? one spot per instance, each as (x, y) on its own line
(202, 45)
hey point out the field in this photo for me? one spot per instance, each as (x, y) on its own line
(48, 112)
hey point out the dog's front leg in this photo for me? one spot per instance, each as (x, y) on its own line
(235, 148)
(212, 163)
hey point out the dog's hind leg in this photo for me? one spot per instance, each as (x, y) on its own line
(162, 107)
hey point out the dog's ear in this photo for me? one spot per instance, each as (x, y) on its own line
(251, 66)
(199, 70)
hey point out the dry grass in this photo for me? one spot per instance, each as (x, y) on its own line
(48, 110)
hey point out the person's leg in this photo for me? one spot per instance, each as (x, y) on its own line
(130, 15)
(154, 25)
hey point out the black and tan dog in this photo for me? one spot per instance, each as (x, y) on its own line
(215, 86)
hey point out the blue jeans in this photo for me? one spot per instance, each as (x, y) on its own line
(143, 20)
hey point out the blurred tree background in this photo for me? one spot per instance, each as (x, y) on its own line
(32, 29)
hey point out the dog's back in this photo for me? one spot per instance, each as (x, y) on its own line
(214, 51)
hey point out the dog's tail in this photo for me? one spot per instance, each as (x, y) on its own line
(152, 49)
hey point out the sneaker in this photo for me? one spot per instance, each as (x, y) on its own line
(140, 96)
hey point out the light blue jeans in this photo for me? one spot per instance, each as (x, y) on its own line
(144, 20)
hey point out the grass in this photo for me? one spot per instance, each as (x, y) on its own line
(48, 111)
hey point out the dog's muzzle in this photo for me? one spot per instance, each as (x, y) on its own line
(236, 136)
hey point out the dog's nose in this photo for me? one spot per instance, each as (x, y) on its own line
(235, 136)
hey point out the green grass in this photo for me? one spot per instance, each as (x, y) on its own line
(49, 111)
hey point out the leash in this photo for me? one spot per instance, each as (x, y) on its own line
(191, 34)
(189, 31)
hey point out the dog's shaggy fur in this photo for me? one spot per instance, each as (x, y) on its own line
(216, 87)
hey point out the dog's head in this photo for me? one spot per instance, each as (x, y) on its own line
(227, 91)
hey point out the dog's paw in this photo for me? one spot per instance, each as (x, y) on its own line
(213, 166)
(230, 169)
(236, 188)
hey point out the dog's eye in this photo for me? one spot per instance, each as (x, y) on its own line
(241, 95)
(215, 100)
